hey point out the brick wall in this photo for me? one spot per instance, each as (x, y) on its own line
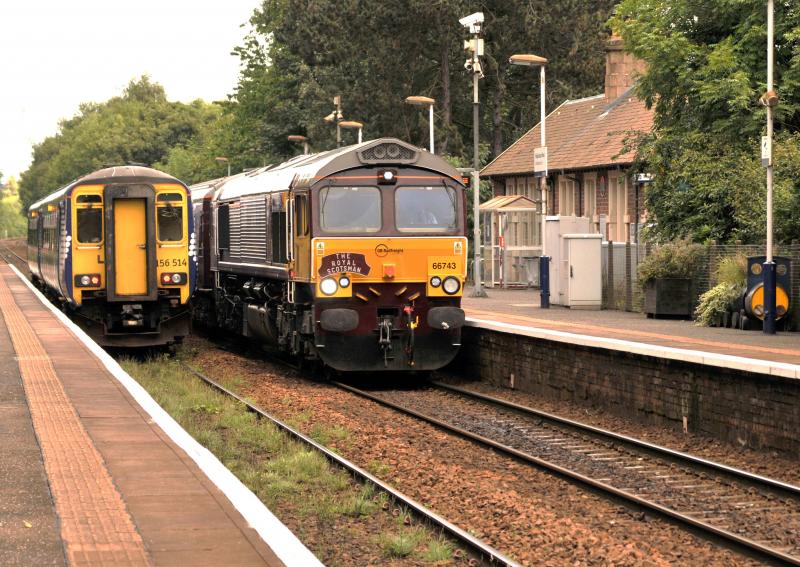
(738, 407)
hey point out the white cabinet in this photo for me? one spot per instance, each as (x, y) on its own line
(583, 287)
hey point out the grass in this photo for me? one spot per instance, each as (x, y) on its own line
(291, 479)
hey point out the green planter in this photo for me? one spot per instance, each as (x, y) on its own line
(668, 297)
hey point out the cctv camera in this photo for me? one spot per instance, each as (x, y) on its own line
(472, 19)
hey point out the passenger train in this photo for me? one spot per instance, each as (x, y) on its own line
(115, 249)
(355, 257)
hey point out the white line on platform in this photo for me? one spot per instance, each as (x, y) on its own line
(275, 534)
(782, 369)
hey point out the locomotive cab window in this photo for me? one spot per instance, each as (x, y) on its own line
(350, 209)
(425, 209)
(301, 214)
(170, 222)
(89, 219)
(223, 228)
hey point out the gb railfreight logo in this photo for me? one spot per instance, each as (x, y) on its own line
(382, 250)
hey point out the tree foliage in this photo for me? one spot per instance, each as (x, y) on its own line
(304, 52)
(12, 222)
(139, 126)
(706, 69)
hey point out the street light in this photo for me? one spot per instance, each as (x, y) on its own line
(336, 117)
(224, 160)
(299, 138)
(529, 60)
(474, 47)
(352, 125)
(424, 101)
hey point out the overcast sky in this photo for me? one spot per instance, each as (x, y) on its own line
(56, 54)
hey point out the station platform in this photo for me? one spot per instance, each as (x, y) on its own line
(94, 472)
(519, 312)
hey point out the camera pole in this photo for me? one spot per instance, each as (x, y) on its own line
(475, 49)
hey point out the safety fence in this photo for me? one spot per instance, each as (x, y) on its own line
(620, 262)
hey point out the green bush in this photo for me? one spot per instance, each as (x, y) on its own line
(732, 270)
(716, 301)
(679, 259)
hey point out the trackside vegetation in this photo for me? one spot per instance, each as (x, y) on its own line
(340, 520)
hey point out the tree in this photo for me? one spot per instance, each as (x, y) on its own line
(12, 221)
(303, 52)
(706, 68)
(140, 126)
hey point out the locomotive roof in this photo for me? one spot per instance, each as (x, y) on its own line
(113, 174)
(304, 170)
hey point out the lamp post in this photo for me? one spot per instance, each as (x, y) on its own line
(770, 100)
(529, 60)
(474, 46)
(424, 101)
(352, 125)
(224, 160)
(298, 138)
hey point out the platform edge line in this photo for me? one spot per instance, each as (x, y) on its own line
(728, 361)
(283, 542)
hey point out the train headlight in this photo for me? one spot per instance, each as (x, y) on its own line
(436, 281)
(176, 278)
(451, 285)
(95, 280)
(328, 286)
(344, 281)
(86, 280)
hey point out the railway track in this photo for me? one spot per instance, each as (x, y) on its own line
(757, 515)
(480, 551)
(12, 257)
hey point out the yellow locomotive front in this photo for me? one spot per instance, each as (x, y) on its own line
(120, 255)
(387, 265)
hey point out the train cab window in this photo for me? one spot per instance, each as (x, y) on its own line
(301, 214)
(170, 223)
(350, 209)
(167, 197)
(425, 209)
(90, 224)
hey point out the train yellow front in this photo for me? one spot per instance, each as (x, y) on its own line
(115, 249)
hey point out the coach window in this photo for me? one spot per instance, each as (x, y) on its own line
(425, 209)
(350, 209)
(90, 219)
(223, 228)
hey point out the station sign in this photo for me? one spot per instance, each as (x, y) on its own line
(540, 161)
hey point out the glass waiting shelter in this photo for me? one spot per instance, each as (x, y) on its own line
(510, 226)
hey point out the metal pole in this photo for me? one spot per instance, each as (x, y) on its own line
(543, 143)
(769, 265)
(430, 124)
(229, 168)
(359, 135)
(476, 164)
(305, 147)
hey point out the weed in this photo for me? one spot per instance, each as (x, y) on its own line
(439, 550)
(379, 469)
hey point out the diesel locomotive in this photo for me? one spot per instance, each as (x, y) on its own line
(115, 249)
(354, 257)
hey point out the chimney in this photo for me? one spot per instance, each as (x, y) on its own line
(621, 68)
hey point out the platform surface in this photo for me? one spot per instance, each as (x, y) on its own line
(520, 309)
(86, 476)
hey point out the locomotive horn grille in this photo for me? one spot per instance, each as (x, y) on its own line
(388, 152)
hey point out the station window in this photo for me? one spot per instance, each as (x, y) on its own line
(170, 223)
(90, 224)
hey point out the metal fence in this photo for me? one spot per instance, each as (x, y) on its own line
(621, 289)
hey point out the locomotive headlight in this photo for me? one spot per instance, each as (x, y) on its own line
(436, 281)
(166, 278)
(344, 281)
(176, 278)
(451, 285)
(95, 280)
(86, 280)
(328, 286)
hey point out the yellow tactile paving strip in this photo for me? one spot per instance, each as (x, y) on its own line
(95, 525)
